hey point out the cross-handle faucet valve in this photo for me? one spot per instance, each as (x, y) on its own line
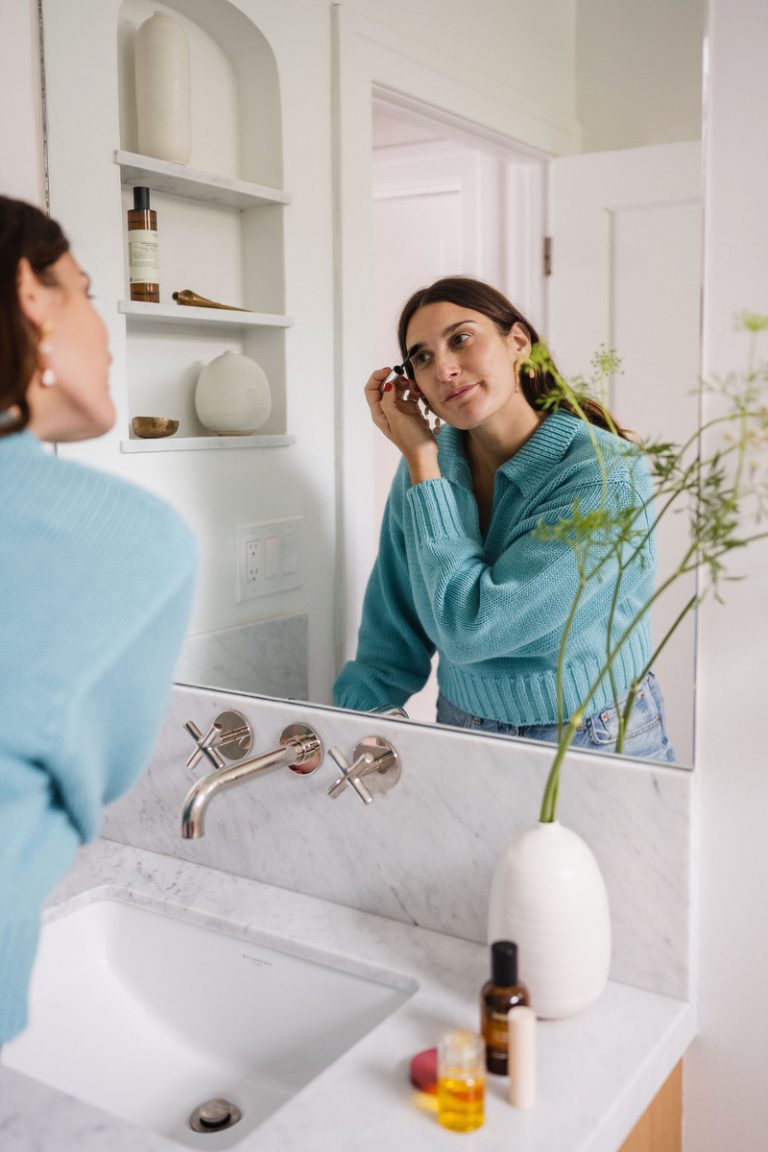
(375, 761)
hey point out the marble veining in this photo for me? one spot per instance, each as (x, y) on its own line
(234, 656)
(424, 853)
(597, 1071)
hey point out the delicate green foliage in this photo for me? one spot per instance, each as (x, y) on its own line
(721, 496)
(752, 321)
(605, 363)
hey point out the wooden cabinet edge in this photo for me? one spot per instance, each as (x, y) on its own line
(660, 1128)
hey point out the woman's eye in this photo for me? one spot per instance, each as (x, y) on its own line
(459, 338)
(420, 359)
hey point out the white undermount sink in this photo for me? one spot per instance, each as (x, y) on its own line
(147, 1016)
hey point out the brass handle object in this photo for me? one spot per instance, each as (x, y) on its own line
(190, 298)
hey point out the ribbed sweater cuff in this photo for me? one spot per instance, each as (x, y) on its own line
(18, 943)
(528, 697)
(435, 512)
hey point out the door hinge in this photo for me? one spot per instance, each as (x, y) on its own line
(547, 255)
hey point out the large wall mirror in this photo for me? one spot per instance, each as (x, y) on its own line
(602, 153)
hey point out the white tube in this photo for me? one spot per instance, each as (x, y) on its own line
(521, 1030)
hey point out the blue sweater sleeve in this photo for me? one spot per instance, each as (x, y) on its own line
(483, 611)
(394, 653)
(86, 666)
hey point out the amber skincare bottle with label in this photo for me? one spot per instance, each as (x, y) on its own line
(143, 252)
(502, 992)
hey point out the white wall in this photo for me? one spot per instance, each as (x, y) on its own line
(21, 119)
(726, 1105)
(517, 52)
(638, 72)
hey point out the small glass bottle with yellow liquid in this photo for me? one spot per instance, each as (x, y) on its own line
(461, 1080)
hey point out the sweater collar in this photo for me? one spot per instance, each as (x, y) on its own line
(529, 466)
(20, 443)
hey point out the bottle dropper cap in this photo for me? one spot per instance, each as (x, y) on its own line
(141, 199)
(504, 963)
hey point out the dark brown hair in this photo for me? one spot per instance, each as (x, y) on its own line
(25, 231)
(536, 380)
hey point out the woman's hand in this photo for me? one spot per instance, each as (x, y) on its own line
(402, 422)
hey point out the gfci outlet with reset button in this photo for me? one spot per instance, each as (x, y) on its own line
(269, 557)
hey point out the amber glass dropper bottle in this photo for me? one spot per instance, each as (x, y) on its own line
(143, 257)
(502, 992)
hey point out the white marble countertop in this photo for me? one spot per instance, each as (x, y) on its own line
(597, 1072)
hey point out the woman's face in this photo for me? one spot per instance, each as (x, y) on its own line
(463, 366)
(78, 405)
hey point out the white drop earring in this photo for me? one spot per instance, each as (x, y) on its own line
(45, 349)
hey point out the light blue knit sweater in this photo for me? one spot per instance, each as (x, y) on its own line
(494, 607)
(95, 588)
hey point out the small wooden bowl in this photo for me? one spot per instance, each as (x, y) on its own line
(153, 427)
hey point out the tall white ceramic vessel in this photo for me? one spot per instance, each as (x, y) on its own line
(163, 93)
(549, 896)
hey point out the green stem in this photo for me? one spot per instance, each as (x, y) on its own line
(613, 653)
(627, 711)
(552, 788)
(561, 654)
(701, 481)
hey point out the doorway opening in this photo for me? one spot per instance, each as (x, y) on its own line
(446, 201)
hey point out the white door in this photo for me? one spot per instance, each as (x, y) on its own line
(427, 200)
(626, 229)
(435, 204)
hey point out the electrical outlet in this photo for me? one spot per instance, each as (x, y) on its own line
(268, 557)
(254, 561)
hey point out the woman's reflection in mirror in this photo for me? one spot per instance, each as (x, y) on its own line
(461, 570)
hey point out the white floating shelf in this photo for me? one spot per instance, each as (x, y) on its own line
(205, 443)
(184, 314)
(194, 183)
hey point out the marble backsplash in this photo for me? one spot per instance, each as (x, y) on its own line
(233, 656)
(424, 853)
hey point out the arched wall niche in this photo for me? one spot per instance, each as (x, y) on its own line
(236, 106)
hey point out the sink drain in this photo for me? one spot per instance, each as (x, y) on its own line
(214, 1116)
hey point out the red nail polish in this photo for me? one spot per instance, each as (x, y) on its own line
(388, 387)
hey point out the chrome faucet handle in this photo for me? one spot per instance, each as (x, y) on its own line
(375, 760)
(350, 774)
(204, 744)
(229, 736)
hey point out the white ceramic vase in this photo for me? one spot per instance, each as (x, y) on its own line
(549, 896)
(232, 396)
(163, 101)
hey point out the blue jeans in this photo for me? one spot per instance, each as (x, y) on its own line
(645, 736)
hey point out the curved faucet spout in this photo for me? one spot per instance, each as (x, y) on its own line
(300, 749)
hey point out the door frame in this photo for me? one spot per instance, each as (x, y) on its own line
(371, 62)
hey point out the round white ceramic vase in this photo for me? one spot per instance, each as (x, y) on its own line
(163, 101)
(549, 896)
(232, 396)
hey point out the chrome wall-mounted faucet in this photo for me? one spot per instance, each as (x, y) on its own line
(230, 737)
